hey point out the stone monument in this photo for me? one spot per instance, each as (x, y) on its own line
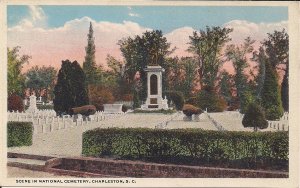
(32, 104)
(154, 99)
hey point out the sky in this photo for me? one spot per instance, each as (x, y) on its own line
(51, 34)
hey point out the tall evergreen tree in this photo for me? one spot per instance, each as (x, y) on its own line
(271, 100)
(225, 86)
(277, 50)
(70, 90)
(237, 54)
(255, 117)
(77, 81)
(285, 91)
(89, 64)
(261, 59)
(62, 95)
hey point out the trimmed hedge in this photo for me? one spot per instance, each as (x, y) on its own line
(45, 107)
(176, 97)
(168, 111)
(254, 150)
(19, 134)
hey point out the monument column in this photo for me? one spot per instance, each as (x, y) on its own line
(154, 99)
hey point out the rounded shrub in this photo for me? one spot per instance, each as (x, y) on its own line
(189, 110)
(83, 110)
(100, 95)
(255, 117)
(15, 103)
(125, 108)
(176, 97)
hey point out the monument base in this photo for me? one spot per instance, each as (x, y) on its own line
(155, 104)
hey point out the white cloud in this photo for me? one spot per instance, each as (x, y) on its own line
(179, 39)
(50, 46)
(258, 32)
(37, 18)
(241, 29)
(37, 13)
(133, 14)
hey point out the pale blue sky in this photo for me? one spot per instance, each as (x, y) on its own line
(166, 18)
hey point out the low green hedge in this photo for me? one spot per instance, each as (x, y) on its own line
(19, 134)
(168, 111)
(267, 150)
(45, 107)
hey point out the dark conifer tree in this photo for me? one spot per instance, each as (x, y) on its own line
(271, 99)
(70, 90)
(225, 87)
(62, 95)
(89, 64)
(255, 117)
(79, 90)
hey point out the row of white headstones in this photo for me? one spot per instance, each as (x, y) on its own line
(280, 125)
(47, 121)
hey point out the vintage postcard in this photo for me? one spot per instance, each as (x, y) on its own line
(149, 94)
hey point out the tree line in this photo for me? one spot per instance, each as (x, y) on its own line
(199, 78)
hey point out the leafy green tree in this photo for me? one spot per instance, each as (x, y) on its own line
(180, 75)
(255, 117)
(210, 100)
(207, 46)
(70, 90)
(120, 80)
(277, 48)
(89, 64)
(190, 75)
(271, 99)
(15, 78)
(151, 48)
(237, 55)
(40, 80)
(176, 97)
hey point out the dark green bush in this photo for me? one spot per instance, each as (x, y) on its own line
(176, 97)
(168, 111)
(268, 150)
(125, 108)
(255, 117)
(210, 100)
(45, 107)
(19, 134)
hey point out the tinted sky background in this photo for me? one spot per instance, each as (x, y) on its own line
(54, 33)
